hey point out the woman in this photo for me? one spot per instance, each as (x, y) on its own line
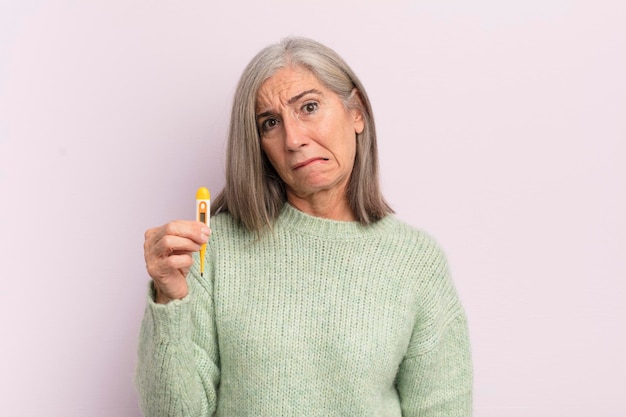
(317, 300)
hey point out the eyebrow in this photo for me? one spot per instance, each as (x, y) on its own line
(290, 101)
(302, 94)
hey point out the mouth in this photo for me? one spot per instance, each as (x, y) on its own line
(309, 161)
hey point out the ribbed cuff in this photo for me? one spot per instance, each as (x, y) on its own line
(172, 321)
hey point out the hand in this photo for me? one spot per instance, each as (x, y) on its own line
(168, 250)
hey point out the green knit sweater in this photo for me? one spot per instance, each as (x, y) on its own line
(315, 318)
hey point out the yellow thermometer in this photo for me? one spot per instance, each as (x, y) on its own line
(203, 213)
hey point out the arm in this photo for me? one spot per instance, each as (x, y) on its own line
(178, 359)
(435, 377)
(438, 382)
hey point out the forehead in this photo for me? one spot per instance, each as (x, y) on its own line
(286, 83)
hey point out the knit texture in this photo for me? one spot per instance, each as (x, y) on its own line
(314, 318)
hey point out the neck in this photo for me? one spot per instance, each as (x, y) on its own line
(324, 205)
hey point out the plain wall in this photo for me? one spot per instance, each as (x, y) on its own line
(502, 132)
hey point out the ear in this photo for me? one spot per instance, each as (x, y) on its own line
(356, 111)
(359, 121)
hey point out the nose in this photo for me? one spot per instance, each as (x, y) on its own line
(295, 133)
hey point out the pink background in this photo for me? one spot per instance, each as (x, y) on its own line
(502, 131)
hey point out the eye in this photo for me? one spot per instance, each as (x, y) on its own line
(310, 107)
(269, 124)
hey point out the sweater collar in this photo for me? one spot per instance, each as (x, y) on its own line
(298, 221)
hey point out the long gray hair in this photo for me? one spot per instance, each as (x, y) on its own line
(254, 193)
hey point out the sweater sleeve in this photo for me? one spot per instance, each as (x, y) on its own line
(438, 383)
(435, 376)
(178, 358)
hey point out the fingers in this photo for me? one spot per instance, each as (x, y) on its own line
(168, 249)
(178, 235)
(175, 265)
(196, 231)
(169, 244)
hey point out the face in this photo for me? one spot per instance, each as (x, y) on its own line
(307, 133)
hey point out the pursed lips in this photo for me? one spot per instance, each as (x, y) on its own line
(307, 162)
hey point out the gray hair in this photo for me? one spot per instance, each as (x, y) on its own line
(254, 193)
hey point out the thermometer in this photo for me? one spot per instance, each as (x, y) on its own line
(203, 211)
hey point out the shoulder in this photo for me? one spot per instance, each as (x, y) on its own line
(417, 256)
(414, 242)
(224, 220)
(225, 223)
(227, 232)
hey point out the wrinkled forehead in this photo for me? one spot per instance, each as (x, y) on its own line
(284, 84)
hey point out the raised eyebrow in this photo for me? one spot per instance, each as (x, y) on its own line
(302, 94)
(290, 101)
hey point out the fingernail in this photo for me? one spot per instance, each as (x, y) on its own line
(204, 237)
